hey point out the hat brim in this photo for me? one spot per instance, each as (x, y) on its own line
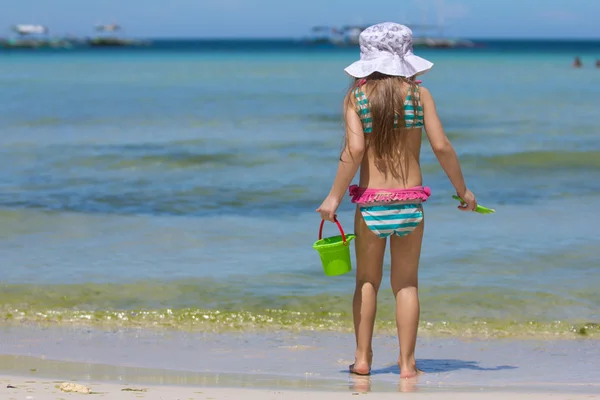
(408, 66)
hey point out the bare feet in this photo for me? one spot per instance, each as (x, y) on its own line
(360, 369)
(362, 364)
(409, 371)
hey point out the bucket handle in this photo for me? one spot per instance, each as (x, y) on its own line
(339, 226)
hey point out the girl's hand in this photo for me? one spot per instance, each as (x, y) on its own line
(470, 203)
(328, 209)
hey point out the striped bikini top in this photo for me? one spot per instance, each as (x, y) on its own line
(413, 119)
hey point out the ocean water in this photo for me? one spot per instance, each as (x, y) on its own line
(176, 187)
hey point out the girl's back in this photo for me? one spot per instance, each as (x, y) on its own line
(392, 133)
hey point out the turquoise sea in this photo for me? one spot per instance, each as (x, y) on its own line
(176, 187)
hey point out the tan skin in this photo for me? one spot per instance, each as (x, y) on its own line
(406, 250)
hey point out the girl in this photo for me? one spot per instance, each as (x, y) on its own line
(385, 111)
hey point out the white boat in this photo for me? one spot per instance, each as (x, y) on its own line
(107, 39)
(24, 29)
(108, 28)
(348, 36)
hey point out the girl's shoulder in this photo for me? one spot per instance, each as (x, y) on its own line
(352, 97)
(424, 93)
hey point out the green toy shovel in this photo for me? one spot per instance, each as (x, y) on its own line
(479, 209)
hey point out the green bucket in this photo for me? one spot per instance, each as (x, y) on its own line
(334, 251)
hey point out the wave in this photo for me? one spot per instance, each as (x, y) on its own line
(142, 198)
(178, 160)
(538, 160)
(148, 195)
(185, 120)
(209, 305)
(179, 155)
(286, 320)
(198, 177)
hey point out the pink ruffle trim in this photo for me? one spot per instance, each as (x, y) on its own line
(365, 195)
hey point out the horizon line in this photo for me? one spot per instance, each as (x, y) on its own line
(284, 38)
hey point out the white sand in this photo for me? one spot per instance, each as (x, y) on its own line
(44, 389)
(284, 366)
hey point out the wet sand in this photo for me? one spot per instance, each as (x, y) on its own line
(107, 361)
(25, 388)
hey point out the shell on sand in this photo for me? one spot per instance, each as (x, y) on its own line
(74, 388)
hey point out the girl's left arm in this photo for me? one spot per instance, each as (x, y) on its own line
(350, 161)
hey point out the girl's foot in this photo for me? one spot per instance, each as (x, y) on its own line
(409, 371)
(362, 369)
(361, 365)
(408, 368)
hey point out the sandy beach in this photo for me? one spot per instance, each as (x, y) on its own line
(24, 388)
(129, 364)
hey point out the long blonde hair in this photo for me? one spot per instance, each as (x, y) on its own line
(387, 95)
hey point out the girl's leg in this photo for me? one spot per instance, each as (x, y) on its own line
(406, 252)
(369, 266)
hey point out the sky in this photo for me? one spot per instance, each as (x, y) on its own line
(295, 18)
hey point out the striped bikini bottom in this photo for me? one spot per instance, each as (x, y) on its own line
(392, 219)
(391, 211)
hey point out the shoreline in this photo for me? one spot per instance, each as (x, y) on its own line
(312, 361)
(44, 389)
(273, 321)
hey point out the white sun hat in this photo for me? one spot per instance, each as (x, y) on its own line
(387, 48)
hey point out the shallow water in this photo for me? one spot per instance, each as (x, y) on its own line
(179, 190)
(309, 361)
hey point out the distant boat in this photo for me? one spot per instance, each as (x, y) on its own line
(24, 30)
(348, 36)
(31, 36)
(321, 34)
(108, 28)
(441, 43)
(113, 41)
(34, 44)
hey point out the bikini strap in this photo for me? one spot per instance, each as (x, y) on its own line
(357, 93)
(414, 92)
(418, 94)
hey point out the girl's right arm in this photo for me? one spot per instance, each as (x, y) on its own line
(443, 150)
